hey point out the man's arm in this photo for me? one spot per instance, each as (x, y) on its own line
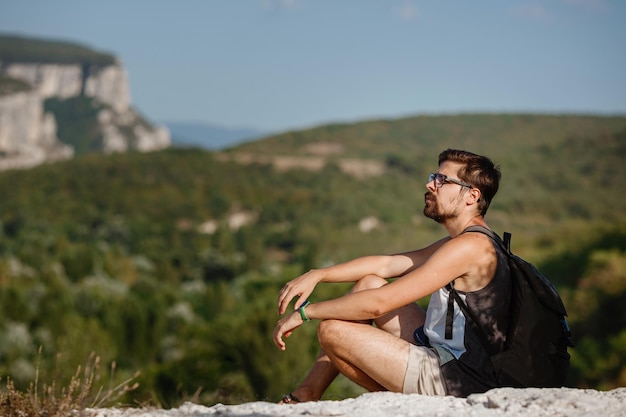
(384, 266)
(451, 260)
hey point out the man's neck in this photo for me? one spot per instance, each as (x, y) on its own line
(456, 226)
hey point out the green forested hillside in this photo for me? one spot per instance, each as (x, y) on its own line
(15, 48)
(170, 262)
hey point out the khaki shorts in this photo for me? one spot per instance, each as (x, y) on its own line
(423, 374)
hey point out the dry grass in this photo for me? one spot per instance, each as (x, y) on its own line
(49, 400)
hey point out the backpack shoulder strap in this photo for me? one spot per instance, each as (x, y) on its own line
(505, 244)
(454, 295)
(507, 241)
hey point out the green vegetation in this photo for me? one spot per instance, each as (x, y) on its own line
(10, 85)
(78, 126)
(22, 49)
(77, 122)
(133, 257)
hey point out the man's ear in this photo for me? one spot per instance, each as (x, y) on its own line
(475, 195)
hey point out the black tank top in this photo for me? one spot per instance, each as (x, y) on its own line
(469, 370)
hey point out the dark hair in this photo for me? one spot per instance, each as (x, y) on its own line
(478, 171)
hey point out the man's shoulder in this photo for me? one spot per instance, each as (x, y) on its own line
(477, 254)
(470, 241)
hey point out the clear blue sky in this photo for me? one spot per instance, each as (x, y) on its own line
(283, 64)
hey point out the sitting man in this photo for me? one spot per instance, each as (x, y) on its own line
(408, 350)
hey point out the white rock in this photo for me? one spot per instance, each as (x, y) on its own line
(110, 86)
(50, 80)
(151, 140)
(27, 134)
(509, 402)
(20, 117)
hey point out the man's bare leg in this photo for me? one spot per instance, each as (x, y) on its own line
(319, 378)
(401, 323)
(369, 356)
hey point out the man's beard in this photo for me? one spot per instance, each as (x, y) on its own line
(432, 211)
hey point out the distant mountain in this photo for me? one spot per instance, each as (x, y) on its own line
(209, 136)
(60, 99)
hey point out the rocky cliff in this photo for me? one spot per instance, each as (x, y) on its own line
(49, 88)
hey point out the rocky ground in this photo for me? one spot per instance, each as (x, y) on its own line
(566, 402)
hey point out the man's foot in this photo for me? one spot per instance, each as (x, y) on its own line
(289, 399)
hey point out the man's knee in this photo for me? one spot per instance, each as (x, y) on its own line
(329, 333)
(369, 282)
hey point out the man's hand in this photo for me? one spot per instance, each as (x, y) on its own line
(300, 287)
(285, 327)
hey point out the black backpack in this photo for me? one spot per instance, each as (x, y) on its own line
(535, 352)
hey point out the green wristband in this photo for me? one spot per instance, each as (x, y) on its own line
(302, 313)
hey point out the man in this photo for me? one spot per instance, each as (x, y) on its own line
(408, 350)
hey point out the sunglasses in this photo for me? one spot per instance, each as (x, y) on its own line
(441, 179)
